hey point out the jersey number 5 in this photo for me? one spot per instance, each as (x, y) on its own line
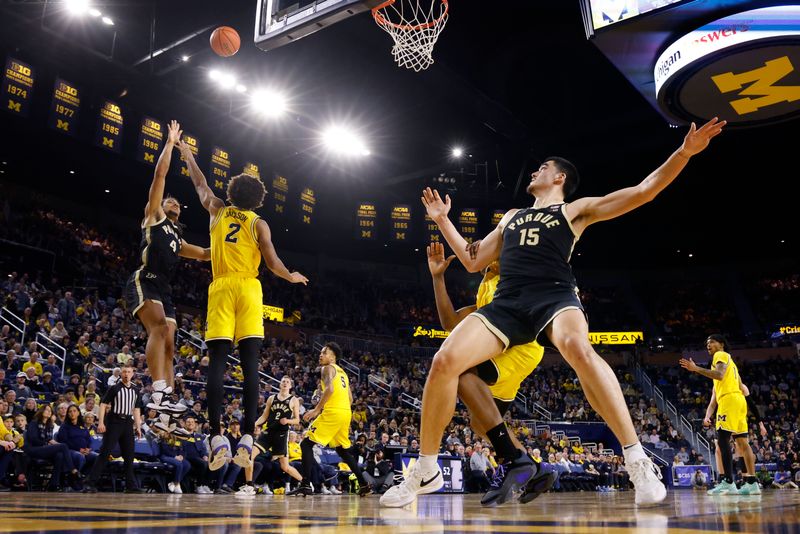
(529, 236)
(234, 229)
(344, 384)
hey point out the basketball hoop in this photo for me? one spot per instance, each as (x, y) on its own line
(414, 29)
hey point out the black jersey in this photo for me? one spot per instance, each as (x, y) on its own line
(278, 410)
(537, 246)
(160, 245)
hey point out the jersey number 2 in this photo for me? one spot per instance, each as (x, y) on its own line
(234, 229)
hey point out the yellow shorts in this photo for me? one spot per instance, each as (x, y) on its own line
(331, 428)
(234, 309)
(514, 366)
(732, 413)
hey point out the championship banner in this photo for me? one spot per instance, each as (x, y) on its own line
(468, 224)
(272, 313)
(66, 107)
(497, 216)
(280, 190)
(432, 233)
(401, 222)
(194, 146)
(109, 127)
(220, 169)
(17, 87)
(366, 217)
(615, 338)
(151, 141)
(307, 202)
(252, 169)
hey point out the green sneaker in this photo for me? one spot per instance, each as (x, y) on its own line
(750, 489)
(724, 488)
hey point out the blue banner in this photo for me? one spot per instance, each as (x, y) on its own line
(682, 475)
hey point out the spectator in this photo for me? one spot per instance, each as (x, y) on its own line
(115, 377)
(699, 480)
(58, 332)
(197, 455)
(379, 473)
(479, 468)
(35, 363)
(172, 453)
(74, 435)
(40, 445)
(29, 409)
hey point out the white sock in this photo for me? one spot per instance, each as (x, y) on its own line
(427, 462)
(633, 453)
(159, 385)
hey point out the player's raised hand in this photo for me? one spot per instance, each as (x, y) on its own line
(174, 133)
(688, 364)
(697, 140)
(297, 278)
(436, 260)
(184, 149)
(434, 205)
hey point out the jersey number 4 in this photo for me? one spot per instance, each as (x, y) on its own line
(234, 229)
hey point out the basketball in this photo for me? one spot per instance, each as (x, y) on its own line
(225, 41)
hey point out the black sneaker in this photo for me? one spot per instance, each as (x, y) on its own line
(89, 488)
(224, 490)
(4, 489)
(303, 489)
(538, 484)
(509, 477)
(135, 490)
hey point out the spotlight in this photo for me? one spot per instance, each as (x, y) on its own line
(107, 191)
(184, 58)
(95, 12)
(240, 88)
(458, 152)
(214, 74)
(107, 21)
(268, 103)
(227, 80)
(77, 7)
(342, 141)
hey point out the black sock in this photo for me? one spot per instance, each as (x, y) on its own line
(350, 459)
(724, 444)
(749, 479)
(501, 441)
(248, 354)
(307, 449)
(218, 351)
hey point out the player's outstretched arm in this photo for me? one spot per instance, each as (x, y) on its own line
(589, 210)
(437, 210)
(271, 258)
(718, 373)
(208, 199)
(448, 316)
(295, 420)
(194, 252)
(153, 211)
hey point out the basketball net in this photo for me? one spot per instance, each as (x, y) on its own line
(415, 26)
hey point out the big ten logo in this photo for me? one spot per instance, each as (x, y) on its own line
(68, 89)
(222, 154)
(22, 69)
(152, 124)
(113, 108)
(366, 224)
(761, 85)
(189, 140)
(366, 234)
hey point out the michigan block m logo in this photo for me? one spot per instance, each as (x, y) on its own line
(761, 86)
(16, 107)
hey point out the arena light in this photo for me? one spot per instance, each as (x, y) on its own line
(458, 152)
(77, 7)
(184, 58)
(227, 80)
(107, 21)
(342, 141)
(268, 103)
(95, 12)
(214, 74)
(241, 88)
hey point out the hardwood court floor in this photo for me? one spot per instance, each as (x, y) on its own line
(683, 511)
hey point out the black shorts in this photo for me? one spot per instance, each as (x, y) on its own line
(487, 371)
(274, 441)
(520, 316)
(145, 285)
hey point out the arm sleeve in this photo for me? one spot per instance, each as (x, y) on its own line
(752, 409)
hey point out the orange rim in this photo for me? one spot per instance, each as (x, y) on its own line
(383, 21)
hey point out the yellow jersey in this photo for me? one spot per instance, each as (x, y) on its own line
(730, 381)
(234, 243)
(340, 399)
(295, 453)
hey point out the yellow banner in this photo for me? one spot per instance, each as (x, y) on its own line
(615, 338)
(421, 331)
(273, 313)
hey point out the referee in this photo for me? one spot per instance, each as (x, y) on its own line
(120, 413)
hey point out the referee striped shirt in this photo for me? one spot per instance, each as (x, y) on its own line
(123, 399)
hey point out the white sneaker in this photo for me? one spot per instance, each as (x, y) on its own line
(203, 490)
(176, 489)
(243, 452)
(335, 491)
(646, 478)
(171, 487)
(416, 483)
(326, 491)
(246, 491)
